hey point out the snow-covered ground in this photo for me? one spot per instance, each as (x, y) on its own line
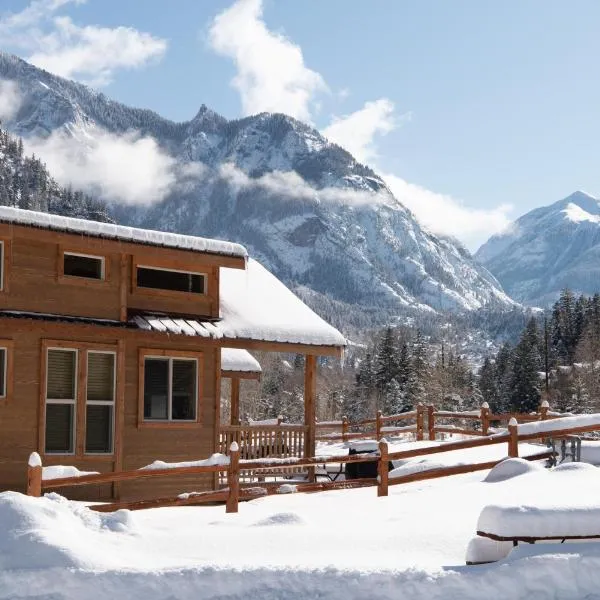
(337, 544)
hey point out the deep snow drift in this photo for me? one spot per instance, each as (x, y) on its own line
(338, 544)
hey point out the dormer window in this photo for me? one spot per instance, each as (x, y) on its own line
(85, 266)
(171, 280)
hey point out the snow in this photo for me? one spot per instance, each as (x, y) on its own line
(60, 471)
(559, 503)
(337, 545)
(235, 359)
(214, 460)
(34, 460)
(9, 214)
(560, 423)
(256, 305)
(576, 214)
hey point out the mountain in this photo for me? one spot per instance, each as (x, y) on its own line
(547, 250)
(324, 223)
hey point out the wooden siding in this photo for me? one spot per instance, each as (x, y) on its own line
(21, 417)
(34, 258)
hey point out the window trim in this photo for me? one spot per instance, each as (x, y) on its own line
(169, 293)
(74, 279)
(5, 260)
(79, 419)
(8, 346)
(198, 357)
(71, 402)
(112, 402)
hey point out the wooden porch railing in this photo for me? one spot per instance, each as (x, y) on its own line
(262, 441)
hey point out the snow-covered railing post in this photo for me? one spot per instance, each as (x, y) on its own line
(513, 439)
(378, 425)
(484, 415)
(544, 408)
(233, 478)
(382, 469)
(431, 421)
(34, 475)
(344, 429)
(420, 419)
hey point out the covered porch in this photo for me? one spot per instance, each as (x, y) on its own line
(260, 313)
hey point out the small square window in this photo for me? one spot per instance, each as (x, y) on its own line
(81, 265)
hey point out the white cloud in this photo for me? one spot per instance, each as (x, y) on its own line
(271, 74)
(90, 53)
(356, 132)
(445, 215)
(126, 168)
(10, 99)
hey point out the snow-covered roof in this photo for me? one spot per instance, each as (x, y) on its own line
(236, 359)
(18, 216)
(255, 305)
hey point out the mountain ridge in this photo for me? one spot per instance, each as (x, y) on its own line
(304, 206)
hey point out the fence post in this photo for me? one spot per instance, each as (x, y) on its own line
(544, 407)
(420, 422)
(378, 425)
(431, 421)
(344, 428)
(233, 478)
(34, 475)
(513, 440)
(382, 469)
(485, 418)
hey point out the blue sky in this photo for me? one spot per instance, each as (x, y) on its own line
(475, 112)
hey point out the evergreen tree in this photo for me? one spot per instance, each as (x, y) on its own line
(525, 383)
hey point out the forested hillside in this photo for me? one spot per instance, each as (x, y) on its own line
(26, 183)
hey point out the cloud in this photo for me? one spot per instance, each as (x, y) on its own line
(445, 215)
(356, 132)
(292, 185)
(10, 99)
(271, 74)
(125, 168)
(90, 53)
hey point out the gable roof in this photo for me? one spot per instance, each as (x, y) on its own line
(19, 216)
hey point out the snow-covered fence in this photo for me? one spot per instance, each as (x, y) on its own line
(478, 422)
(557, 427)
(216, 464)
(345, 430)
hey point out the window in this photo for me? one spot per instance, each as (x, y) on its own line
(80, 398)
(170, 389)
(100, 402)
(61, 399)
(176, 281)
(83, 265)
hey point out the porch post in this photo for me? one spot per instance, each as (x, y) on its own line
(235, 401)
(310, 395)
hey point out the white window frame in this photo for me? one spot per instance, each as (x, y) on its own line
(72, 402)
(102, 260)
(4, 366)
(169, 418)
(112, 402)
(153, 268)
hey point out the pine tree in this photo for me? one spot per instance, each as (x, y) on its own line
(525, 383)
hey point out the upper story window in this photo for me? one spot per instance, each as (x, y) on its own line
(171, 280)
(83, 265)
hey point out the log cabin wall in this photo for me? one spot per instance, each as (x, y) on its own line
(34, 279)
(136, 443)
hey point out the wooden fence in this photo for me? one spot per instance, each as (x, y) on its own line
(233, 468)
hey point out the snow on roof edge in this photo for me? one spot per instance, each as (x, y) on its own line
(236, 359)
(19, 216)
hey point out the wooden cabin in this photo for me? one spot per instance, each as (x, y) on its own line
(111, 341)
